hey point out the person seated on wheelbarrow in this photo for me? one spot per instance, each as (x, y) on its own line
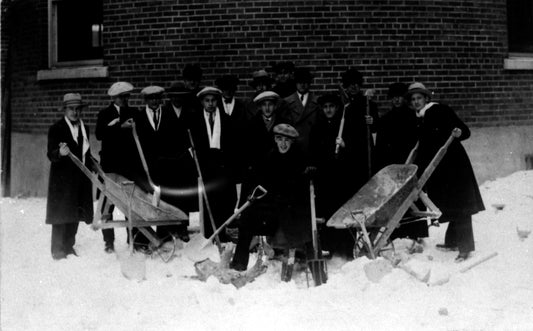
(284, 213)
(452, 187)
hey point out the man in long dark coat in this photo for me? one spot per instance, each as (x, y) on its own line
(301, 108)
(175, 166)
(118, 153)
(69, 190)
(357, 124)
(214, 138)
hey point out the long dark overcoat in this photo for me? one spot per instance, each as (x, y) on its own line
(302, 118)
(285, 210)
(453, 186)
(118, 147)
(69, 190)
(396, 136)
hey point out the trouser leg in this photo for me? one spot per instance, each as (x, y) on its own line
(242, 251)
(465, 234)
(69, 235)
(57, 239)
(450, 238)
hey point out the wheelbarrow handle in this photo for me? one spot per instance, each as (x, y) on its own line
(258, 193)
(251, 199)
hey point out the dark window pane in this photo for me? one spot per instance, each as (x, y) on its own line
(520, 25)
(79, 30)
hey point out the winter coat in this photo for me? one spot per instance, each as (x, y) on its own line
(118, 147)
(69, 190)
(396, 136)
(335, 178)
(301, 118)
(259, 139)
(452, 186)
(285, 209)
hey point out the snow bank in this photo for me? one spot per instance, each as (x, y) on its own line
(89, 293)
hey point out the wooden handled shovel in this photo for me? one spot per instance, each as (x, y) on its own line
(199, 248)
(317, 265)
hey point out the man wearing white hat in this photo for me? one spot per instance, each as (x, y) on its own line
(69, 190)
(113, 128)
(214, 139)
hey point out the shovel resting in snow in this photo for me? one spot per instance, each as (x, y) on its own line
(200, 249)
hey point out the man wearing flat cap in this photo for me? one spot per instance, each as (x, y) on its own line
(215, 140)
(283, 213)
(113, 129)
(69, 190)
(260, 137)
(301, 108)
(175, 165)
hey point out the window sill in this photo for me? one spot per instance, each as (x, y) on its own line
(72, 73)
(518, 63)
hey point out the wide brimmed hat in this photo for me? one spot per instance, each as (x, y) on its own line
(119, 88)
(152, 91)
(352, 76)
(73, 99)
(209, 90)
(302, 75)
(227, 82)
(267, 95)
(261, 76)
(286, 130)
(397, 90)
(177, 88)
(417, 87)
(329, 97)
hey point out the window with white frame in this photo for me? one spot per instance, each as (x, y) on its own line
(75, 32)
(520, 26)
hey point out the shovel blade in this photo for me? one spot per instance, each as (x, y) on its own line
(199, 249)
(133, 266)
(319, 271)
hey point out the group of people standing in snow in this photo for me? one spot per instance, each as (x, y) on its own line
(282, 138)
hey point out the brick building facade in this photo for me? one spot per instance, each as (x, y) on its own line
(459, 49)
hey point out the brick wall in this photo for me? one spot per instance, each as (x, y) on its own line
(456, 47)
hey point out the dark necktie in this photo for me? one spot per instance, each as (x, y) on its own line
(156, 118)
(79, 150)
(212, 121)
(302, 98)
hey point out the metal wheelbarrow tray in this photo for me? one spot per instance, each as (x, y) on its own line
(385, 199)
(146, 211)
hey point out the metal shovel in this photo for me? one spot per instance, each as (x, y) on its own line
(317, 266)
(199, 248)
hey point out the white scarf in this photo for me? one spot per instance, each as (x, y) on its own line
(214, 137)
(74, 133)
(422, 111)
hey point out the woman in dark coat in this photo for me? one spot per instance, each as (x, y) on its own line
(452, 187)
(284, 213)
(69, 190)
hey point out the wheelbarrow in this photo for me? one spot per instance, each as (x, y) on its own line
(144, 209)
(381, 204)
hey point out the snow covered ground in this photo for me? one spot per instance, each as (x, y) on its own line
(89, 293)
